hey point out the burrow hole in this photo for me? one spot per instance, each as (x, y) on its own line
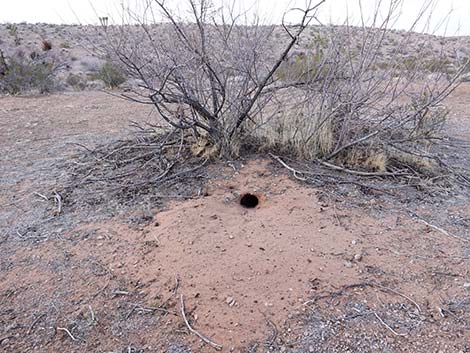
(249, 201)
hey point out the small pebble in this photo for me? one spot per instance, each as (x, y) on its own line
(230, 301)
(358, 257)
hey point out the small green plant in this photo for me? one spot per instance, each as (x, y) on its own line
(111, 74)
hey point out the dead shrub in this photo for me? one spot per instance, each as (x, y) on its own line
(343, 98)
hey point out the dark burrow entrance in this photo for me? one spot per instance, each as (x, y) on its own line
(249, 201)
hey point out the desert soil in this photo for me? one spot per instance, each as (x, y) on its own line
(307, 270)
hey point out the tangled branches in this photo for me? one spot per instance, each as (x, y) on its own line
(126, 170)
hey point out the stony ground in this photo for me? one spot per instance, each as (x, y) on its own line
(307, 270)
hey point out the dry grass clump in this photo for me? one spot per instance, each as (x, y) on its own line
(336, 107)
(373, 160)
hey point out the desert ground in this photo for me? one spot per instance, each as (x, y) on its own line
(187, 268)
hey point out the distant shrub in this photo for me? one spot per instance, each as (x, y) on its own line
(13, 31)
(90, 64)
(46, 45)
(65, 45)
(76, 81)
(22, 73)
(112, 75)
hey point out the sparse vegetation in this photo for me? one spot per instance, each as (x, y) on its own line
(97, 224)
(112, 75)
(76, 81)
(13, 31)
(344, 92)
(23, 73)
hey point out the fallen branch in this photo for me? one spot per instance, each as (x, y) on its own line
(205, 339)
(362, 285)
(34, 323)
(68, 333)
(397, 293)
(58, 200)
(443, 231)
(387, 326)
(360, 173)
(41, 196)
(173, 293)
(294, 171)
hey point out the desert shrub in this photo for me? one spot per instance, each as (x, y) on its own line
(13, 31)
(76, 81)
(24, 73)
(345, 97)
(112, 75)
(305, 67)
(65, 45)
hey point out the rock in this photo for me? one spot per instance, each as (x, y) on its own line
(466, 285)
(358, 257)
(348, 264)
(230, 301)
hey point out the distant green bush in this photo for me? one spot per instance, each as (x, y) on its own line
(112, 75)
(23, 73)
(76, 81)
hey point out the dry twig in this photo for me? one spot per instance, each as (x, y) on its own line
(67, 332)
(205, 339)
(387, 326)
(31, 327)
(439, 229)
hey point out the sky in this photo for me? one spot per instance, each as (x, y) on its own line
(450, 17)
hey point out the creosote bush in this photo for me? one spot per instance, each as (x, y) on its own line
(26, 73)
(111, 74)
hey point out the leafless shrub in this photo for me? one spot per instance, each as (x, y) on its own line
(343, 100)
(209, 76)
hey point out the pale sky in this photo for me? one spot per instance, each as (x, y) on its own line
(457, 12)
